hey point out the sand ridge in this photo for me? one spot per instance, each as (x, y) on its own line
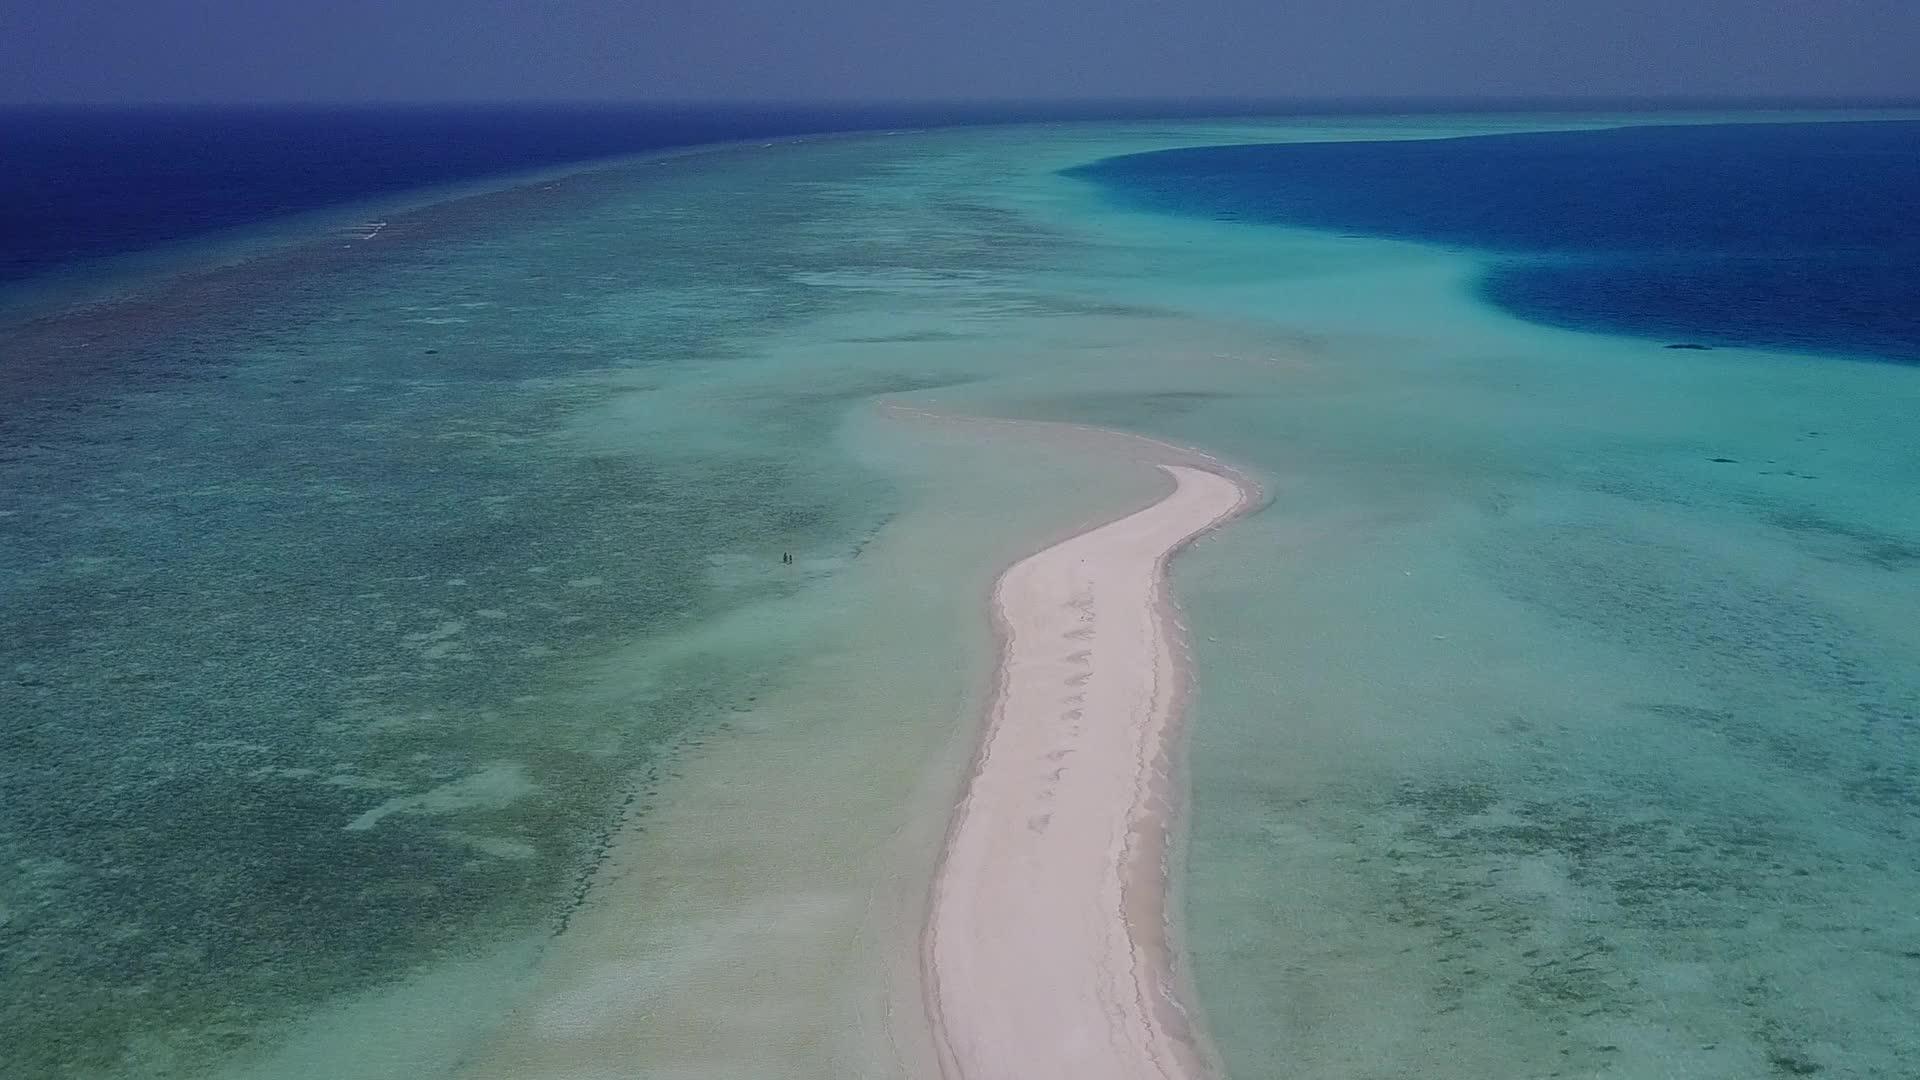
(1046, 949)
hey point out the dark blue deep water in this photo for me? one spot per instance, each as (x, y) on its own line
(77, 183)
(1801, 236)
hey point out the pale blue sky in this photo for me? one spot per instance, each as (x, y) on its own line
(382, 50)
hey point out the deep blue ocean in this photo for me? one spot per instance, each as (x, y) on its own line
(78, 183)
(1800, 236)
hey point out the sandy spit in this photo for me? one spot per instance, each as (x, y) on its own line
(1046, 951)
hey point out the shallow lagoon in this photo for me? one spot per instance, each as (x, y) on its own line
(1528, 737)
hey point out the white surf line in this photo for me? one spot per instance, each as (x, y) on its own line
(1046, 952)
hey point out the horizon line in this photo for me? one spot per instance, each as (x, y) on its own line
(1246, 103)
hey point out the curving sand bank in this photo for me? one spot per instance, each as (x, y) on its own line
(1046, 948)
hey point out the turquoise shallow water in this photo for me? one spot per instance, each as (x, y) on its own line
(351, 592)
(301, 608)
(1559, 718)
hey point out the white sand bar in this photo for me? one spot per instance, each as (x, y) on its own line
(1046, 951)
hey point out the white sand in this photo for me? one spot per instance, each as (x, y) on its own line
(1046, 949)
(763, 917)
